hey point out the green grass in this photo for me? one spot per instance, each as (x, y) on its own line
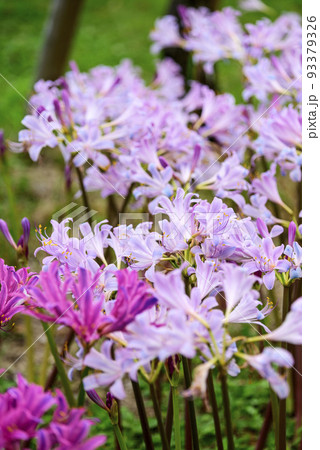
(249, 396)
(108, 32)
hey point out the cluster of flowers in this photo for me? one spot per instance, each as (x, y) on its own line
(203, 263)
(22, 411)
(155, 137)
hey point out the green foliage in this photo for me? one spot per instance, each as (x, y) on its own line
(248, 403)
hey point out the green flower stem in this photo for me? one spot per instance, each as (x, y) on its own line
(282, 438)
(63, 376)
(275, 416)
(30, 353)
(84, 194)
(227, 409)
(142, 415)
(176, 418)
(82, 393)
(169, 418)
(190, 401)
(53, 374)
(44, 365)
(157, 412)
(119, 436)
(215, 411)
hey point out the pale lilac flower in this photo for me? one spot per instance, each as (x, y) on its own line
(73, 251)
(40, 134)
(206, 274)
(291, 329)
(291, 233)
(254, 5)
(228, 181)
(199, 385)
(294, 254)
(265, 259)
(143, 253)
(247, 311)
(109, 182)
(165, 33)
(263, 364)
(88, 146)
(281, 129)
(258, 208)
(284, 34)
(112, 369)
(266, 185)
(168, 80)
(215, 217)
(95, 242)
(214, 249)
(236, 284)
(274, 76)
(290, 161)
(176, 335)
(276, 230)
(155, 184)
(166, 285)
(220, 27)
(180, 210)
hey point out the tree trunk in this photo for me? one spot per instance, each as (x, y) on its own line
(59, 33)
(179, 55)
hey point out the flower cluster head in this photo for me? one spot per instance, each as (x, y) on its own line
(22, 411)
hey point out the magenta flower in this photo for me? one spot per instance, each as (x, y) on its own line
(133, 297)
(51, 300)
(2, 144)
(67, 429)
(12, 295)
(21, 411)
